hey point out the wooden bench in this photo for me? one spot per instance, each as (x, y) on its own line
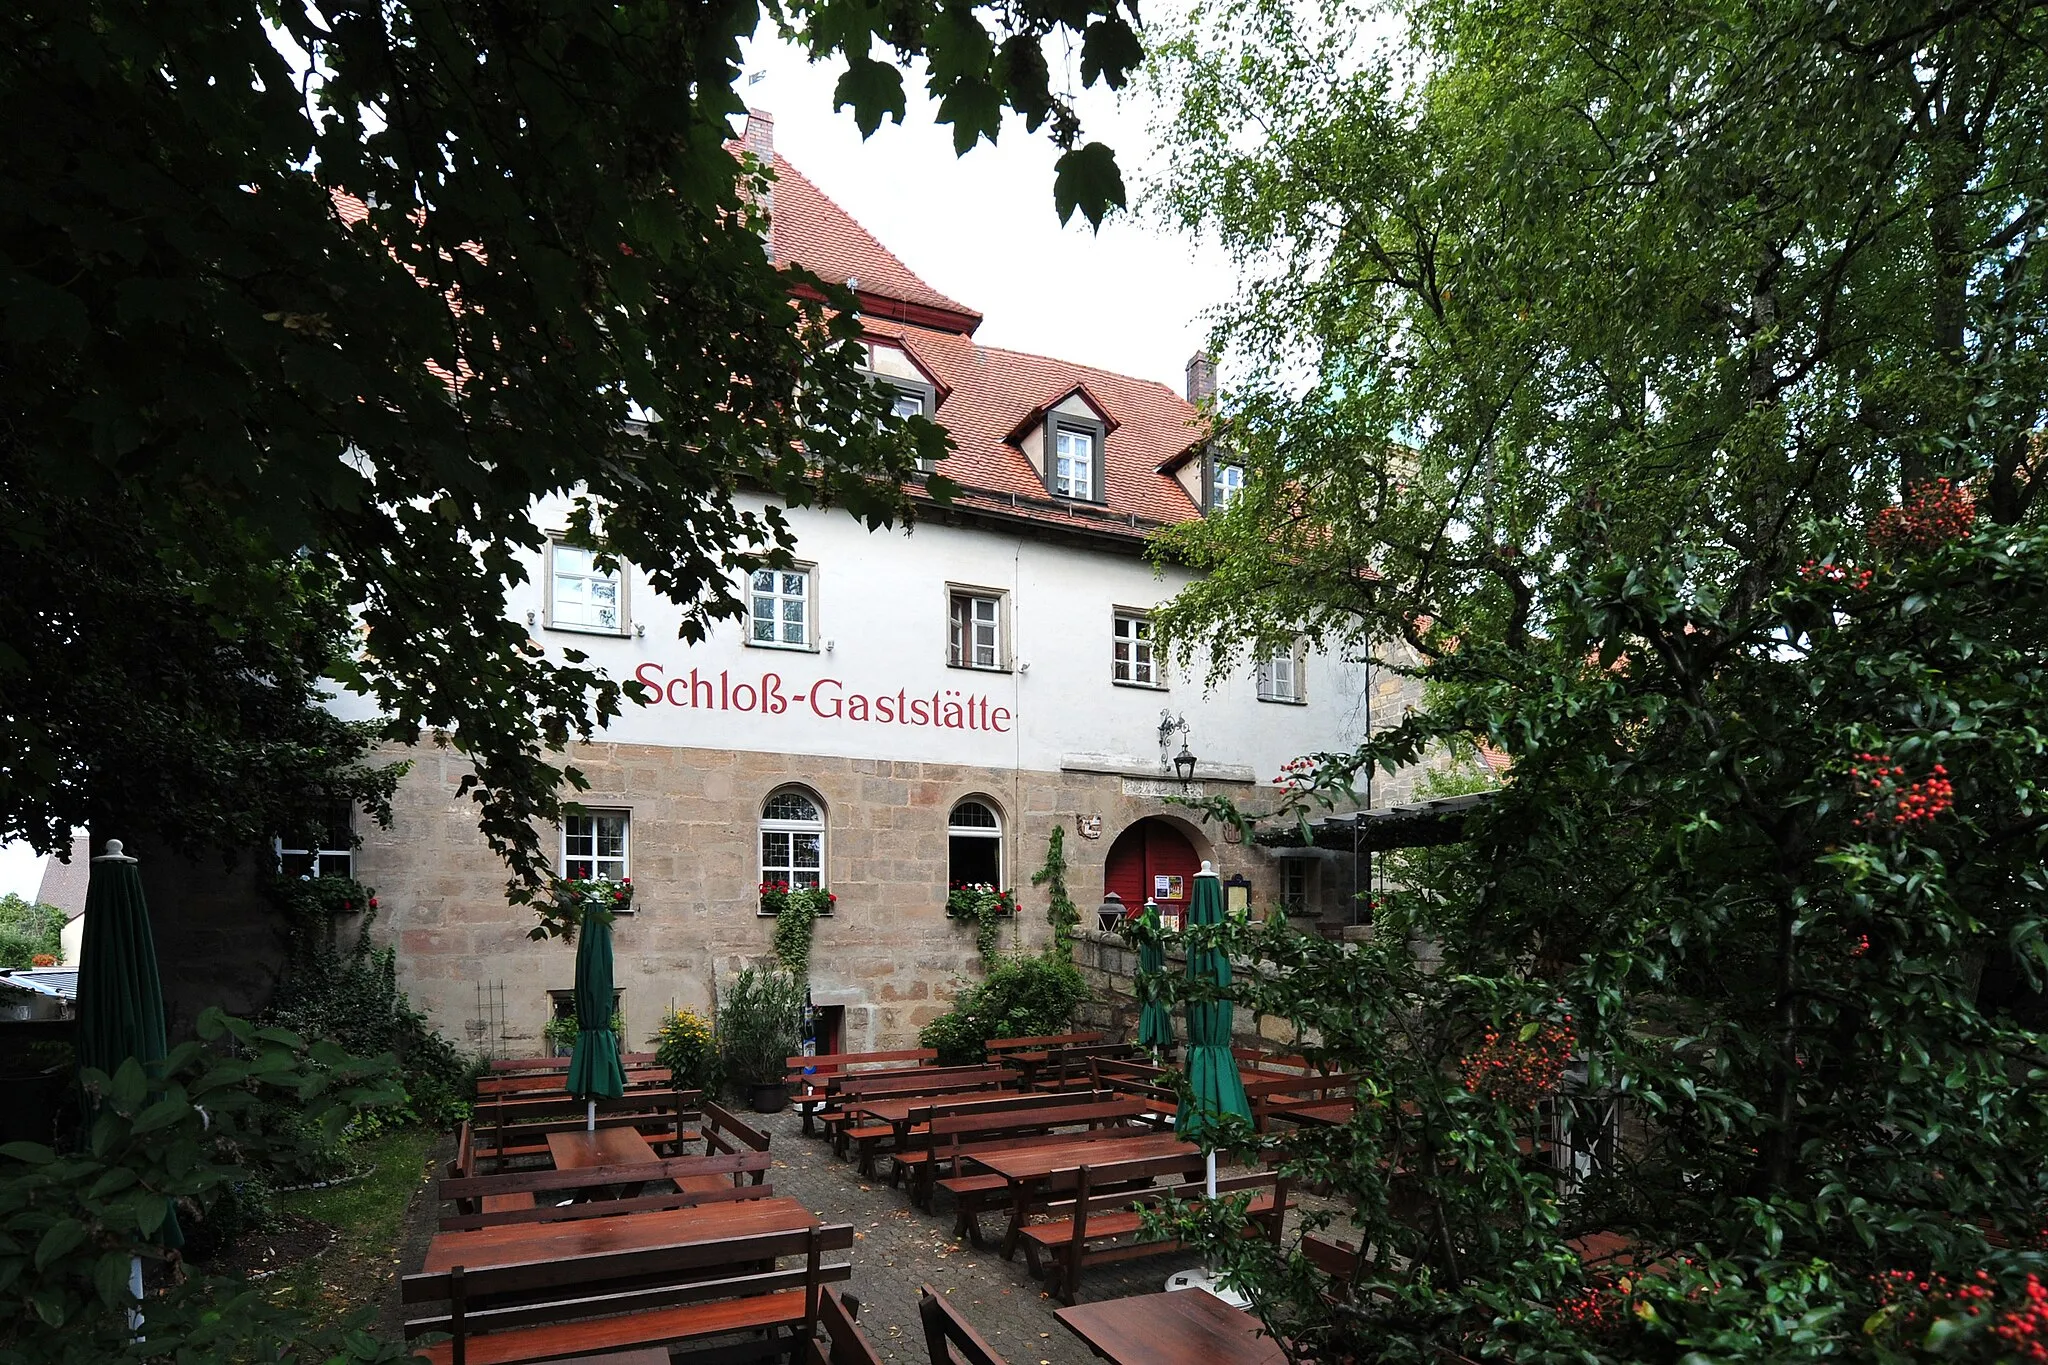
(843, 1343)
(998, 1047)
(512, 1126)
(1271, 1099)
(518, 1196)
(514, 1064)
(555, 1082)
(808, 1075)
(655, 1296)
(725, 1135)
(950, 1339)
(934, 1135)
(464, 1167)
(974, 1195)
(913, 1154)
(1084, 1227)
(1061, 1068)
(1137, 1080)
(932, 1080)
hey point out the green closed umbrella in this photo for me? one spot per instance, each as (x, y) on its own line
(1155, 1021)
(594, 1068)
(120, 996)
(1216, 1088)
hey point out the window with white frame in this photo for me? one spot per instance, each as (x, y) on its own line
(1226, 481)
(581, 596)
(1280, 675)
(793, 840)
(975, 630)
(1074, 462)
(974, 845)
(1297, 885)
(335, 854)
(1133, 660)
(594, 844)
(909, 402)
(784, 608)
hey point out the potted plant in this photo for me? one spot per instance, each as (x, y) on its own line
(759, 1021)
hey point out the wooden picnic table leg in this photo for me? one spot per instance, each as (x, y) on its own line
(1020, 1191)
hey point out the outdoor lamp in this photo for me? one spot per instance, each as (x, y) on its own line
(1184, 764)
(1110, 913)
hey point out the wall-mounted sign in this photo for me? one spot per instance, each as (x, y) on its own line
(1166, 887)
(827, 699)
(1090, 826)
(1138, 786)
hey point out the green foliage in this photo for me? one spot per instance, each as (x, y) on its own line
(70, 1221)
(987, 909)
(684, 1044)
(796, 910)
(559, 1033)
(760, 1018)
(28, 930)
(352, 999)
(1725, 863)
(1542, 278)
(1060, 910)
(571, 902)
(225, 384)
(1023, 995)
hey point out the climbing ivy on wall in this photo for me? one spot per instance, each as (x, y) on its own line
(1061, 913)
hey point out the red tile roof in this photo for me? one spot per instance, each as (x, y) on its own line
(990, 398)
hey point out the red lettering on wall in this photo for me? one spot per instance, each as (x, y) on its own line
(827, 698)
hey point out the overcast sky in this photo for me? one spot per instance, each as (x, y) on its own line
(981, 228)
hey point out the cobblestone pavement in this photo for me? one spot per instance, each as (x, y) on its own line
(897, 1248)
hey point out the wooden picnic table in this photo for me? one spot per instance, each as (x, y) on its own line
(540, 1243)
(1192, 1325)
(1313, 1113)
(1027, 1167)
(606, 1147)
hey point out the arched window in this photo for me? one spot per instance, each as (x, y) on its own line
(793, 838)
(974, 845)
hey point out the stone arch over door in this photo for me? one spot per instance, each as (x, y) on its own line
(1151, 849)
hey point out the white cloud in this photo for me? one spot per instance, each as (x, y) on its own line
(981, 228)
(21, 870)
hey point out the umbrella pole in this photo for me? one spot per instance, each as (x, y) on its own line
(590, 1116)
(1212, 1175)
(135, 1289)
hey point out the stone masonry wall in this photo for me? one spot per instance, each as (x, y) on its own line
(1110, 969)
(888, 955)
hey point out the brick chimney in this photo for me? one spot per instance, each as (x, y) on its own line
(758, 141)
(1201, 377)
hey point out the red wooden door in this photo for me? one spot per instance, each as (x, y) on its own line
(1146, 852)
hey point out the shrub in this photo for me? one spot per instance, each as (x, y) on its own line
(1024, 994)
(560, 1032)
(28, 930)
(758, 1024)
(685, 1046)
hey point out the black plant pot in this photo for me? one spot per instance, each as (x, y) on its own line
(767, 1097)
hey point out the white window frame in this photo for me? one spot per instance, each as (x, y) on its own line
(1280, 675)
(615, 867)
(809, 574)
(323, 861)
(1133, 652)
(966, 650)
(1066, 466)
(1222, 490)
(619, 577)
(769, 826)
(959, 831)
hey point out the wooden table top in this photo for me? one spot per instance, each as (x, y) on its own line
(899, 1111)
(534, 1243)
(1192, 1327)
(1327, 1113)
(605, 1147)
(1035, 1163)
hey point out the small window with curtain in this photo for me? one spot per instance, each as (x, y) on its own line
(1280, 675)
(582, 596)
(1133, 661)
(975, 630)
(783, 608)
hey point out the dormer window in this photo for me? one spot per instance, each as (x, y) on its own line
(911, 401)
(1226, 481)
(1076, 465)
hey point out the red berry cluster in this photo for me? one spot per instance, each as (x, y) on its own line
(1599, 1310)
(1517, 1073)
(1932, 515)
(1861, 947)
(2023, 1328)
(1848, 575)
(1296, 773)
(1897, 803)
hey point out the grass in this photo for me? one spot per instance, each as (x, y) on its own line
(358, 1270)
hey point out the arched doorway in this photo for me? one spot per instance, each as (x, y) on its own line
(1152, 859)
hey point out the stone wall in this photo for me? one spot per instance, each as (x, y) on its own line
(888, 955)
(1110, 969)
